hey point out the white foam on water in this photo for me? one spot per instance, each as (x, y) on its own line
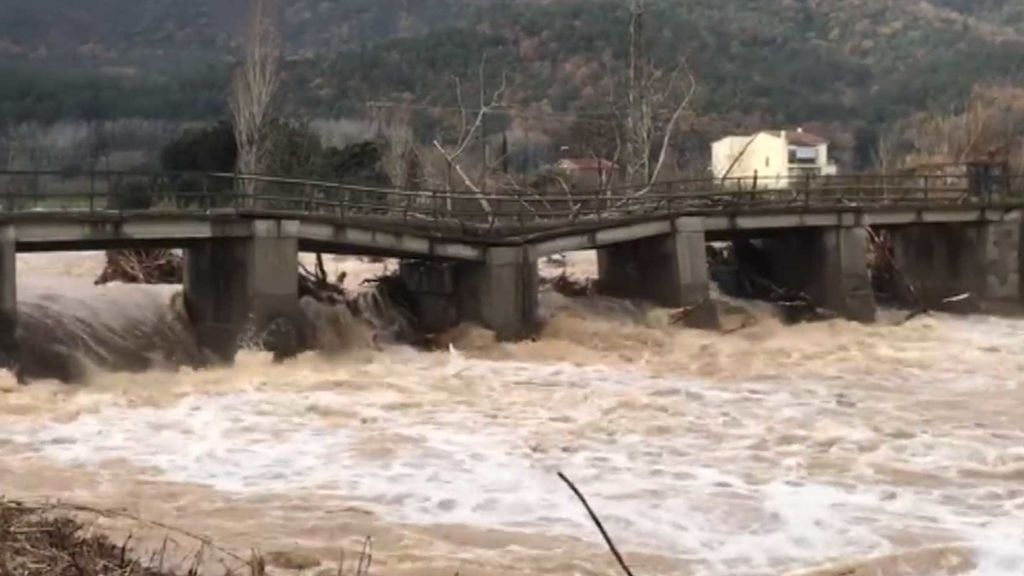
(750, 478)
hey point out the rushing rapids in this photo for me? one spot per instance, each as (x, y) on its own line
(821, 449)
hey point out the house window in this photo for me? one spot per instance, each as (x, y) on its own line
(803, 154)
(767, 161)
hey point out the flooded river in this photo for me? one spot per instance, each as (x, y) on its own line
(826, 449)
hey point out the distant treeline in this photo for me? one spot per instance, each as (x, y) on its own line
(49, 91)
(765, 62)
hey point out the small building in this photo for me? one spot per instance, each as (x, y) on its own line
(771, 159)
(582, 165)
(588, 171)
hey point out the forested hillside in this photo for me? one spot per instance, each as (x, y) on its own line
(859, 63)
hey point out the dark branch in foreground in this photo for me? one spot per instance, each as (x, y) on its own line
(597, 522)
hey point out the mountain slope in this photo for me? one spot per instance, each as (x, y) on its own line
(758, 61)
(796, 59)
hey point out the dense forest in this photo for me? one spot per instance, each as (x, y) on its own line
(849, 66)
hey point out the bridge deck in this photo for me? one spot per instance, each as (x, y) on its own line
(105, 210)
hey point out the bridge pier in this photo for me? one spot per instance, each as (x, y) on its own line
(829, 265)
(669, 270)
(8, 297)
(500, 293)
(235, 287)
(944, 261)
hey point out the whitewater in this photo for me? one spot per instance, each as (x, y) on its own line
(827, 448)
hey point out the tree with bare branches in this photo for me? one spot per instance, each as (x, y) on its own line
(469, 130)
(990, 126)
(885, 156)
(645, 109)
(255, 84)
(650, 95)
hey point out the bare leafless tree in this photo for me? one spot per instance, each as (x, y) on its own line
(639, 115)
(468, 131)
(401, 158)
(255, 84)
(651, 96)
(988, 126)
(886, 153)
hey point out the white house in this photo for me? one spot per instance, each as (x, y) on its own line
(808, 154)
(771, 159)
(764, 156)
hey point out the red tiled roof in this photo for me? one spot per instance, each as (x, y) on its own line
(587, 164)
(800, 138)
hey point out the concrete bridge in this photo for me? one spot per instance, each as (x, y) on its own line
(474, 257)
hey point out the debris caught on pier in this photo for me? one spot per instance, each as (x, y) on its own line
(703, 316)
(142, 267)
(742, 270)
(893, 285)
(317, 285)
(572, 287)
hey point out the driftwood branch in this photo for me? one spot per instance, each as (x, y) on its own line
(315, 284)
(142, 267)
(597, 522)
(886, 251)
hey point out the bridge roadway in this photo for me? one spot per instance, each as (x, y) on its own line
(473, 257)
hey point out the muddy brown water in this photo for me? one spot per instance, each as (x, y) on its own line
(820, 449)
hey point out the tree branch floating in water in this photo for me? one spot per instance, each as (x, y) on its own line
(597, 522)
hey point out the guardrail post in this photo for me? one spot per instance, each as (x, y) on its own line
(38, 192)
(92, 189)
(207, 200)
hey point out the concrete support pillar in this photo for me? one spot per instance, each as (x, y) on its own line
(1003, 253)
(502, 292)
(8, 297)
(432, 289)
(238, 287)
(845, 282)
(827, 264)
(945, 261)
(499, 293)
(670, 271)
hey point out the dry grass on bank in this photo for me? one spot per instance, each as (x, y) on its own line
(36, 542)
(49, 540)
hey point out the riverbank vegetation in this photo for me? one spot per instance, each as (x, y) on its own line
(63, 540)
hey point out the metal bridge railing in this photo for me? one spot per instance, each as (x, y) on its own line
(168, 192)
